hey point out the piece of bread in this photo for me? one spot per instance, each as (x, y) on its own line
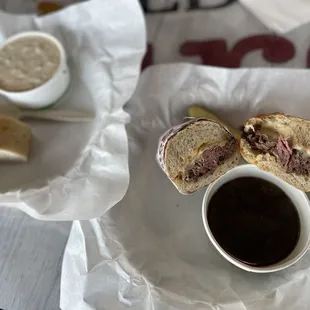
(15, 139)
(294, 130)
(185, 149)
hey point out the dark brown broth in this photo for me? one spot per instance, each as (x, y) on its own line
(254, 221)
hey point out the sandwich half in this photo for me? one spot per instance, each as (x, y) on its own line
(279, 144)
(197, 153)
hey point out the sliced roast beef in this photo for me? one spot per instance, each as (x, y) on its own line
(258, 141)
(210, 159)
(299, 163)
(283, 151)
(292, 160)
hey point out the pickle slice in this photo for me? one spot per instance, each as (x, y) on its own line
(198, 111)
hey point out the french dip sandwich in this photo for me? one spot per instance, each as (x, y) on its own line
(197, 153)
(279, 144)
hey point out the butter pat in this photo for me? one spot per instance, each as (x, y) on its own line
(15, 139)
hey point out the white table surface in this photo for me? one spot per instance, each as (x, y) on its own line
(30, 261)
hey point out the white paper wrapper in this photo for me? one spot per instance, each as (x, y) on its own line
(151, 251)
(79, 171)
(278, 15)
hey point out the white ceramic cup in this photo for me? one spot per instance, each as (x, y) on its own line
(298, 197)
(49, 92)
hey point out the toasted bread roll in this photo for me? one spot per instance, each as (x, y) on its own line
(279, 144)
(196, 153)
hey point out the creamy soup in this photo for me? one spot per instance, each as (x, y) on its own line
(27, 63)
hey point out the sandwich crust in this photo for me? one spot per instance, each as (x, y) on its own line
(293, 129)
(186, 148)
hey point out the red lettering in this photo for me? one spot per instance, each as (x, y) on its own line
(168, 8)
(308, 59)
(195, 4)
(275, 49)
(215, 52)
(148, 58)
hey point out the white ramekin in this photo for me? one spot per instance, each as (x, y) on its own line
(49, 92)
(299, 199)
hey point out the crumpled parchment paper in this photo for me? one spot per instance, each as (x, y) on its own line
(151, 251)
(80, 170)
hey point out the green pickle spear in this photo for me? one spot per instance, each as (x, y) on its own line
(198, 111)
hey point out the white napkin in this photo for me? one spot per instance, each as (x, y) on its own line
(280, 15)
(80, 170)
